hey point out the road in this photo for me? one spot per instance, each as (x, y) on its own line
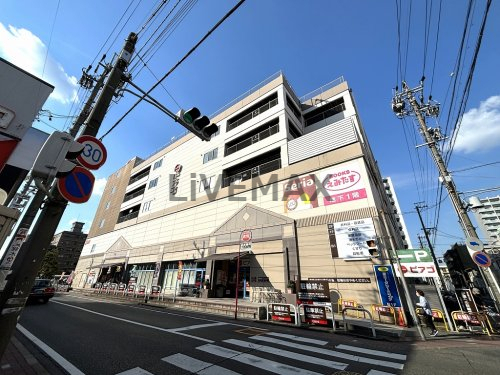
(96, 337)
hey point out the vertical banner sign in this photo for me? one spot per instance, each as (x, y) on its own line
(333, 241)
(10, 255)
(179, 271)
(387, 287)
(315, 314)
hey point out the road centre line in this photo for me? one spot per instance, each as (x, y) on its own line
(288, 354)
(329, 352)
(133, 322)
(252, 360)
(371, 352)
(63, 362)
(195, 366)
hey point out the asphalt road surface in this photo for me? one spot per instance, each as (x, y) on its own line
(92, 336)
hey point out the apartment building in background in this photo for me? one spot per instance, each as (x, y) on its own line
(69, 247)
(396, 211)
(288, 183)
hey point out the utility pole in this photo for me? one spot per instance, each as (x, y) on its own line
(431, 137)
(19, 282)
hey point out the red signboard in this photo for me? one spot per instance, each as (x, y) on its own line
(281, 313)
(315, 314)
(246, 236)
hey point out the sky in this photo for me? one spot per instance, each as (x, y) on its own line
(312, 43)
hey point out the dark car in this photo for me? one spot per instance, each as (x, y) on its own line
(42, 289)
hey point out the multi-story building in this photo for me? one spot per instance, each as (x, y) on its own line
(290, 184)
(69, 247)
(396, 211)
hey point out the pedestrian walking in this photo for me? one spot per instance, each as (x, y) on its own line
(426, 308)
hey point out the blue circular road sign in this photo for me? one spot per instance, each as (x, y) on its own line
(77, 186)
(481, 259)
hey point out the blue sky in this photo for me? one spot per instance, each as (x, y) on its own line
(312, 42)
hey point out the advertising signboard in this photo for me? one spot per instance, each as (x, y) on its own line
(315, 314)
(350, 238)
(313, 292)
(281, 313)
(343, 183)
(300, 194)
(416, 263)
(387, 287)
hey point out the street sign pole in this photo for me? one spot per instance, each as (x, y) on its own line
(14, 296)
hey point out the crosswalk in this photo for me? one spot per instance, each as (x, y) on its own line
(291, 355)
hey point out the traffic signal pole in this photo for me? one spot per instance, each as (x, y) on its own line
(19, 282)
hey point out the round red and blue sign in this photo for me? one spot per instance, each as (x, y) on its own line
(481, 259)
(94, 153)
(77, 186)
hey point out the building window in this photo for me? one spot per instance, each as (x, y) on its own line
(113, 190)
(101, 223)
(325, 111)
(107, 205)
(92, 249)
(146, 206)
(292, 130)
(293, 107)
(255, 110)
(157, 164)
(153, 183)
(206, 183)
(210, 155)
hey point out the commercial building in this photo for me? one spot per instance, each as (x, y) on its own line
(288, 184)
(69, 247)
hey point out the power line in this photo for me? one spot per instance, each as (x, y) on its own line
(227, 15)
(436, 46)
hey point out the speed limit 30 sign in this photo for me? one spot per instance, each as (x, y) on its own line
(94, 153)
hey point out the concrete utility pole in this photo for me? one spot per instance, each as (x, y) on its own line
(19, 282)
(431, 137)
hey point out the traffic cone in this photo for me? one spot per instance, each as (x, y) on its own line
(401, 318)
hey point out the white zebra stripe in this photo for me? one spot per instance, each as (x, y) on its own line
(297, 338)
(252, 360)
(372, 352)
(332, 353)
(196, 366)
(135, 371)
(288, 354)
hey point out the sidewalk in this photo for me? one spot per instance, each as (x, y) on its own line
(23, 358)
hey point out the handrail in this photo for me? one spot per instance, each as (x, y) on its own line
(131, 216)
(322, 89)
(358, 309)
(251, 115)
(252, 172)
(126, 198)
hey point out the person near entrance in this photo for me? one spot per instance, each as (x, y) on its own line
(426, 308)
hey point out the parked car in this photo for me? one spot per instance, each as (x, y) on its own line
(42, 289)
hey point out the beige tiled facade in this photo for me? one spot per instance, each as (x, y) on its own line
(263, 187)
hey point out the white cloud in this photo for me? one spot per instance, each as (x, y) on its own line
(480, 129)
(25, 50)
(99, 186)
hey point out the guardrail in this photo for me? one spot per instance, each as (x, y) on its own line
(359, 308)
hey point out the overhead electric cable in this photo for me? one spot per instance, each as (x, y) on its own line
(227, 15)
(436, 46)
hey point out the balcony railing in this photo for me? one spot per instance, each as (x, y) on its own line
(253, 139)
(252, 114)
(323, 115)
(132, 196)
(137, 178)
(253, 172)
(131, 216)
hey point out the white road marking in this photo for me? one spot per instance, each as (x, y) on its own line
(252, 360)
(194, 365)
(377, 372)
(135, 371)
(332, 353)
(298, 338)
(288, 354)
(197, 326)
(63, 362)
(379, 353)
(132, 322)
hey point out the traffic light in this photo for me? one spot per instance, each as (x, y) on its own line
(373, 248)
(197, 124)
(54, 159)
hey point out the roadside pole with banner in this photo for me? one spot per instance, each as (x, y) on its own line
(245, 240)
(179, 277)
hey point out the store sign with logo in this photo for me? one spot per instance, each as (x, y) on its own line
(416, 263)
(300, 194)
(349, 239)
(342, 184)
(387, 287)
(174, 179)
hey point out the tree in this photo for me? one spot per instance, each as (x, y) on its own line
(50, 265)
